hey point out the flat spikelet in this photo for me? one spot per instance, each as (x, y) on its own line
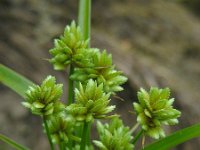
(70, 49)
(90, 102)
(103, 71)
(155, 109)
(61, 128)
(44, 99)
(114, 136)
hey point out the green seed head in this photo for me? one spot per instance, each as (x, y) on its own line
(44, 99)
(114, 136)
(91, 102)
(61, 128)
(155, 109)
(103, 71)
(69, 48)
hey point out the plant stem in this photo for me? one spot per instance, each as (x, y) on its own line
(134, 127)
(69, 145)
(62, 146)
(70, 86)
(137, 136)
(70, 94)
(84, 18)
(88, 133)
(48, 134)
(84, 135)
(84, 21)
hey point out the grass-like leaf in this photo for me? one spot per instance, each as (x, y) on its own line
(12, 143)
(176, 138)
(13, 80)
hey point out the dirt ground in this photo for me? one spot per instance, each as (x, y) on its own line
(154, 42)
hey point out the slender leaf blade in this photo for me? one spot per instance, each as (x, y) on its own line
(176, 138)
(12, 143)
(13, 80)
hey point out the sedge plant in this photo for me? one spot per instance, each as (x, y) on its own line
(92, 81)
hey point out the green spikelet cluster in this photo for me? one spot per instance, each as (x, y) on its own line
(90, 102)
(89, 63)
(103, 71)
(69, 49)
(61, 129)
(114, 136)
(155, 109)
(44, 99)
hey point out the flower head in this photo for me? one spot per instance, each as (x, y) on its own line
(70, 48)
(61, 128)
(155, 109)
(44, 99)
(90, 102)
(103, 71)
(114, 136)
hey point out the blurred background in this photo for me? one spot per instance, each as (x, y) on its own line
(154, 42)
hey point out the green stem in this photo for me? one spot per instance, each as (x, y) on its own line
(12, 143)
(48, 133)
(137, 136)
(84, 18)
(134, 127)
(84, 21)
(88, 133)
(70, 86)
(62, 146)
(84, 135)
(69, 144)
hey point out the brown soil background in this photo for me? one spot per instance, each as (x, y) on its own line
(155, 43)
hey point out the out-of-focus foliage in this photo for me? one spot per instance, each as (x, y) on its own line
(194, 5)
